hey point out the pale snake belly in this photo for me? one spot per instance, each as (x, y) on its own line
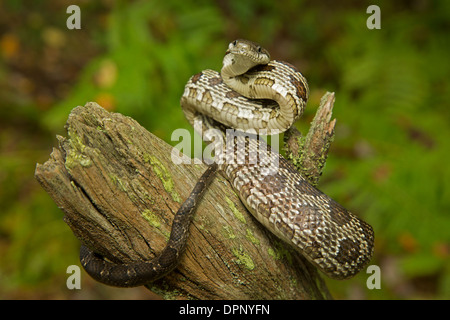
(255, 95)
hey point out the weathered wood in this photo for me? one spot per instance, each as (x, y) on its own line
(309, 153)
(119, 189)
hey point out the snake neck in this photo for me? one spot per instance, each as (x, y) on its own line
(233, 74)
(233, 67)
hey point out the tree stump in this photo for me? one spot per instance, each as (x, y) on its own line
(119, 190)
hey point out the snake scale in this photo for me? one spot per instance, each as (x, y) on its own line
(254, 95)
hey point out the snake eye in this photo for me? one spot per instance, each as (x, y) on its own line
(259, 49)
(234, 42)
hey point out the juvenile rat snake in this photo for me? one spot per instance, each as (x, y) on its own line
(254, 95)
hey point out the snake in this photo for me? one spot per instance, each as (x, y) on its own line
(253, 96)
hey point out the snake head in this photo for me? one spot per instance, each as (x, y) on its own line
(246, 54)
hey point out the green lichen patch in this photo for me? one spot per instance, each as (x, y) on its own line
(243, 258)
(229, 233)
(101, 129)
(118, 182)
(155, 221)
(235, 211)
(152, 218)
(164, 175)
(279, 251)
(297, 160)
(75, 156)
(75, 140)
(251, 237)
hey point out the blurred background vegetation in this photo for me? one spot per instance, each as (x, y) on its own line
(389, 161)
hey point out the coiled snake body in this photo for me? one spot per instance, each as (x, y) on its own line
(336, 241)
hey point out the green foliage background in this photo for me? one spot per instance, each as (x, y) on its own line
(389, 161)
